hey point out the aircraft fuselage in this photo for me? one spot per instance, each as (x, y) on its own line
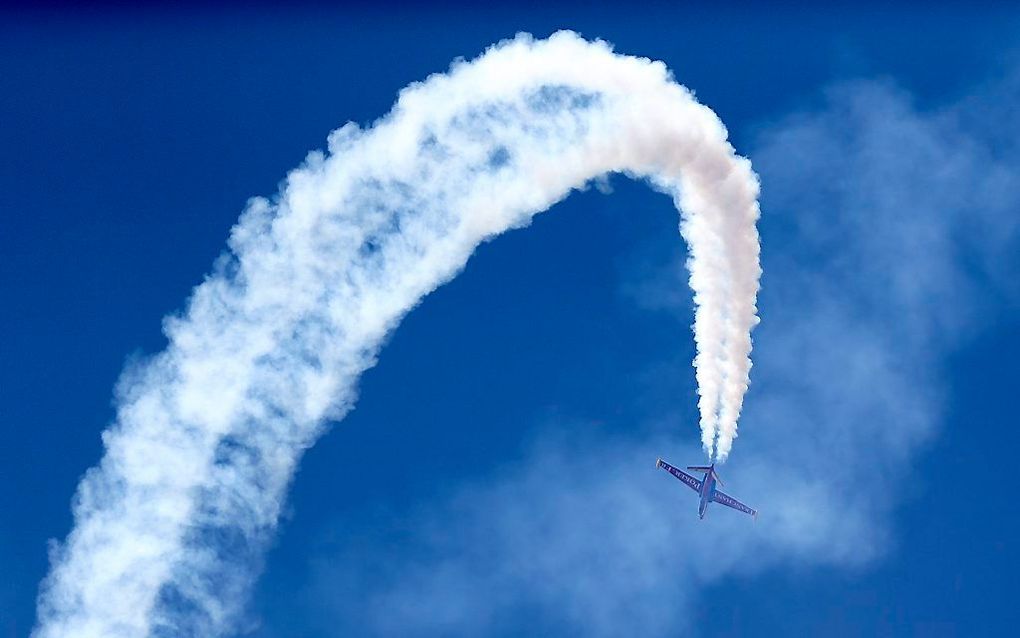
(707, 492)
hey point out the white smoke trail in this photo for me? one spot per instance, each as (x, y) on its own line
(169, 525)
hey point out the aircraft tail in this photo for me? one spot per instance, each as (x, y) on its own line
(707, 469)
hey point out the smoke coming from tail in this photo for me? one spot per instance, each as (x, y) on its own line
(170, 525)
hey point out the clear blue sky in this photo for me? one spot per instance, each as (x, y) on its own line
(503, 448)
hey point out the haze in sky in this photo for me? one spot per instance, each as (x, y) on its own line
(497, 475)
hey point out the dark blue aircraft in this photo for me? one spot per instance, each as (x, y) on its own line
(706, 487)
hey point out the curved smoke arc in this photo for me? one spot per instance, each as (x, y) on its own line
(270, 348)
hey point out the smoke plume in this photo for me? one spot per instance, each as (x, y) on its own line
(170, 526)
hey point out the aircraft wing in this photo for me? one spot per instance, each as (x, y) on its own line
(729, 501)
(691, 482)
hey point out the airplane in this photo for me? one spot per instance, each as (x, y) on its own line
(706, 488)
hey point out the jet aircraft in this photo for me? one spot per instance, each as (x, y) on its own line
(706, 487)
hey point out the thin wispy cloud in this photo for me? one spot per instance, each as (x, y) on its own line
(887, 229)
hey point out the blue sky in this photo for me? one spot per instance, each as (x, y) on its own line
(496, 477)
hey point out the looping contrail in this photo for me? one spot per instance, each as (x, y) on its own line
(169, 527)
